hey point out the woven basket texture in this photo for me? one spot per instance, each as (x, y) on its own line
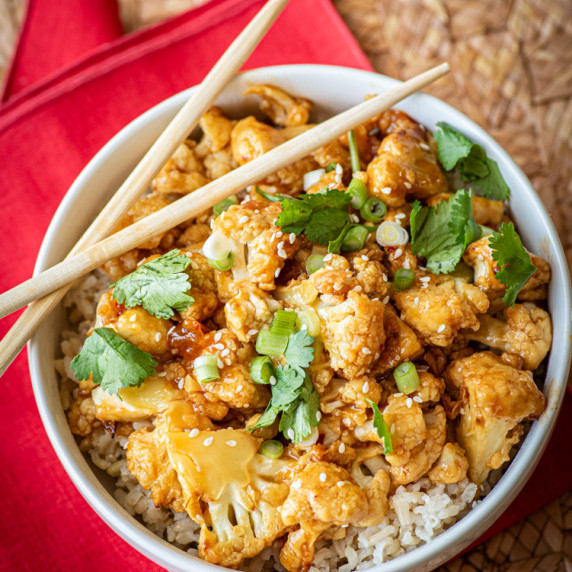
(511, 73)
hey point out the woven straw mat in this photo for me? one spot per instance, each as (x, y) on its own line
(512, 74)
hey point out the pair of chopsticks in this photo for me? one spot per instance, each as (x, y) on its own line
(93, 249)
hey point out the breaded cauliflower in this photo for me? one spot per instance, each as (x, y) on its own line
(438, 312)
(451, 466)
(527, 333)
(216, 130)
(497, 398)
(284, 109)
(353, 334)
(203, 288)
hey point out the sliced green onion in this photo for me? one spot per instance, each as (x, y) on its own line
(406, 377)
(217, 246)
(403, 279)
(308, 320)
(283, 322)
(271, 344)
(272, 449)
(355, 238)
(224, 264)
(358, 191)
(219, 208)
(314, 262)
(261, 369)
(390, 233)
(206, 368)
(373, 210)
(331, 167)
(354, 153)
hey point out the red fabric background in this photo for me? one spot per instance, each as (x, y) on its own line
(52, 123)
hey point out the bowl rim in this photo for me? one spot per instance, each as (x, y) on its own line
(487, 510)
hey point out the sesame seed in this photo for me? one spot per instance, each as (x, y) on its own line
(133, 318)
(409, 402)
(376, 356)
(385, 300)
(158, 336)
(365, 257)
(425, 146)
(339, 169)
(290, 434)
(323, 477)
(162, 374)
(342, 448)
(327, 258)
(384, 276)
(272, 380)
(425, 278)
(354, 217)
(252, 333)
(340, 483)
(407, 185)
(217, 336)
(337, 286)
(239, 388)
(219, 363)
(218, 347)
(282, 253)
(279, 234)
(417, 399)
(347, 422)
(242, 219)
(400, 216)
(441, 328)
(231, 443)
(291, 238)
(365, 387)
(277, 273)
(208, 441)
(365, 351)
(194, 432)
(273, 237)
(406, 264)
(398, 394)
(416, 301)
(386, 190)
(280, 244)
(318, 415)
(224, 352)
(358, 288)
(398, 252)
(296, 484)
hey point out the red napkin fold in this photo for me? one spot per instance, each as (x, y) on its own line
(48, 132)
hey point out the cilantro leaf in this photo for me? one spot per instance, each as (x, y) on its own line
(441, 234)
(112, 361)
(514, 262)
(299, 351)
(303, 416)
(159, 286)
(294, 212)
(326, 224)
(381, 428)
(471, 161)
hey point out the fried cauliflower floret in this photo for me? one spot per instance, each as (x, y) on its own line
(216, 130)
(237, 390)
(430, 389)
(438, 312)
(422, 457)
(193, 237)
(369, 272)
(321, 495)
(234, 493)
(401, 343)
(284, 109)
(353, 334)
(451, 466)
(219, 163)
(335, 279)
(406, 423)
(82, 416)
(479, 255)
(400, 257)
(267, 254)
(497, 398)
(406, 166)
(333, 152)
(527, 333)
(182, 174)
(249, 311)
(485, 211)
(148, 459)
(246, 221)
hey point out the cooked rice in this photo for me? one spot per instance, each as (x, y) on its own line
(418, 512)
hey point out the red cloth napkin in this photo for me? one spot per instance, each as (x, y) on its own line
(48, 132)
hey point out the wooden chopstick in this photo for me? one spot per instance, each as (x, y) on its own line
(140, 178)
(202, 199)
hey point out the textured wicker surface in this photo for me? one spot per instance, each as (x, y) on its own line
(512, 74)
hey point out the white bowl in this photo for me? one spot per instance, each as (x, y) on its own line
(333, 89)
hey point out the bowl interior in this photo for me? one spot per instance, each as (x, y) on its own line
(332, 89)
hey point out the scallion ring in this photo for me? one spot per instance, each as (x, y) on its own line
(271, 344)
(354, 152)
(219, 208)
(272, 449)
(283, 322)
(355, 238)
(217, 246)
(390, 233)
(373, 210)
(206, 368)
(261, 369)
(403, 279)
(308, 320)
(314, 262)
(406, 377)
(358, 191)
(224, 264)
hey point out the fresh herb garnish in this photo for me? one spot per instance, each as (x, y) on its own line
(293, 394)
(514, 262)
(159, 286)
(381, 428)
(471, 161)
(112, 362)
(442, 233)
